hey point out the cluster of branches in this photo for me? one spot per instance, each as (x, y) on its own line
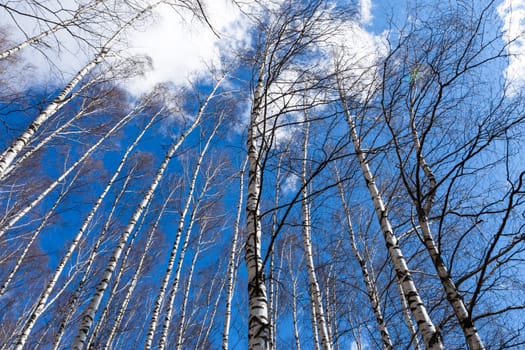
(382, 191)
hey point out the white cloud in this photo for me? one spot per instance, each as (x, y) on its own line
(356, 52)
(291, 184)
(182, 47)
(365, 11)
(512, 13)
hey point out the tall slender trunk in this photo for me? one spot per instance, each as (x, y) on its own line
(41, 144)
(175, 284)
(34, 236)
(371, 288)
(94, 250)
(180, 332)
(428, 331)
(405, 309)
(259, 337)
(294, 308)
(89, 313)
(272, 304)
(7, 157)
(41, 304)
(453, 295)
(123, 307)
(101, 322)
(11, 222)
(315, 327)
(314, 290)
(232, 262)
(90, 262)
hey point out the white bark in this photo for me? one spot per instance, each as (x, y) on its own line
(62, 177)
(408, 319)
(453, 295)
(259, 336)
(272, 298)
(94, 250)
(41, 304)
(89, 313)
(371, 288)
(34, 236)
(41, 144)
(314, 290)
(428, 331)
(232, 262)
(175, 284)
(294, 313)
(136, 275)
(116, 284)
(181, 329)
(7, 157)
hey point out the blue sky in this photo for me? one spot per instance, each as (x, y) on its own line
(183, 53)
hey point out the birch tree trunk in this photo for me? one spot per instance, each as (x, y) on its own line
(294, 310)
(315, 327)
(259, 336)
(176, 279)
(408, 319)
(116, 284)
(232, 262)
(62, 177)
(453, 295)
(45, 141)
(180, 331)
(41, 304)
(94, 250)
(315, 291)
(272, 297)
(89, 313)
(90, 262)
(7, 157)
(371, 288)
(123, 307)
(428, 331)
(34, 236)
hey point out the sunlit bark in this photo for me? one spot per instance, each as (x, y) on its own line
(41, 304)
(371, 287)
(428, 331)
(315, 291)
(8, 156)
(89, 313)
(232, 262)
(182, 222)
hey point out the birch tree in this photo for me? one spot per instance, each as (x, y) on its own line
(315, 292)
(371, 288)
(232, 261)
(427, 328)
(89, 313)
(8, 156)
(75, 20)
(175, 249)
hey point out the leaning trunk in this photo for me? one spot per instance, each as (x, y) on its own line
(89, 314)
(428, 331)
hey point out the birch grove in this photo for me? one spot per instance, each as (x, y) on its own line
(292, 174)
